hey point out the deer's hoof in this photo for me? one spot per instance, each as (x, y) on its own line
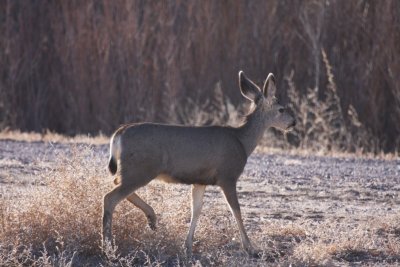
(152, 223)
(188, 251)
(255, 253)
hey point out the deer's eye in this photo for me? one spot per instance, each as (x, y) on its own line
(281, 110)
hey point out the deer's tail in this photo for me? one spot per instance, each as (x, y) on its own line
(115, 149)
(112, 165)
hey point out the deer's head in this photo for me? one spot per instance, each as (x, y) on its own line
(265, 103)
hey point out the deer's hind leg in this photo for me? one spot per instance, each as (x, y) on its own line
(123, 189)
(110, 201)
(146, 208)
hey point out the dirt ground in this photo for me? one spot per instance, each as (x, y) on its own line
(275, 187)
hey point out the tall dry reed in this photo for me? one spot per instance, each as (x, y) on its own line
(88, 66)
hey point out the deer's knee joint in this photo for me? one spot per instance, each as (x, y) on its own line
(106, 201)
(106, 217)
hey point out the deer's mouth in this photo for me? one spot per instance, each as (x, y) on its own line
(291, 126)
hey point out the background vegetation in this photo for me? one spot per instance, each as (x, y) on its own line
(88, 66)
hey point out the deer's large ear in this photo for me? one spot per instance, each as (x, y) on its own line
(269, 88)
(248, 88)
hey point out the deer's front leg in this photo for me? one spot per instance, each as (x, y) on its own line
(231, 198)
(197, 204)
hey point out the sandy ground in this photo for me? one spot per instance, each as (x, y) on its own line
(274, 187)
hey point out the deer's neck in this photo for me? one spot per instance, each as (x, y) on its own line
(251, 132)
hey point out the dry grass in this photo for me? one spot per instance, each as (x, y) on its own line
(56, 222)
(49, 136)
(351, 243)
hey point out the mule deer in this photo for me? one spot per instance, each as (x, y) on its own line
(199, 156)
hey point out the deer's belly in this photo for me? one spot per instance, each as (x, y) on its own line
(167, 178)
(206, 177)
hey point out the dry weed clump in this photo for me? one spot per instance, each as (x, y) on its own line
(61, 215)
(59, 221)
(322, 124)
